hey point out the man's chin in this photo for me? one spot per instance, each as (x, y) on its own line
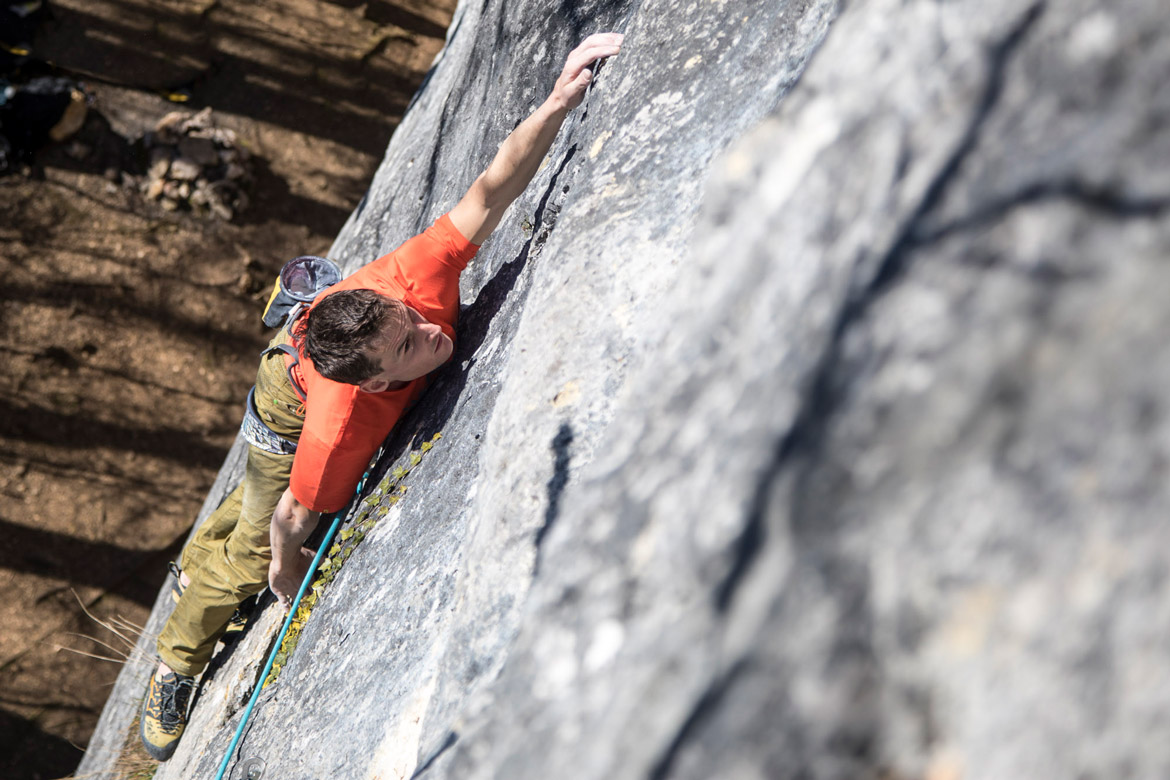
(445, 350)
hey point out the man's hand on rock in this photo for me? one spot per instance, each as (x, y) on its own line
(284, 583)
(478, 213)
(575, 78)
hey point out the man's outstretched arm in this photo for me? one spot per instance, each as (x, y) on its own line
(519, 157)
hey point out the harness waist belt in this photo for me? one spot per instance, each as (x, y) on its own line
(257, 433)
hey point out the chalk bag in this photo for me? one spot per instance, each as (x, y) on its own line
(301, 280)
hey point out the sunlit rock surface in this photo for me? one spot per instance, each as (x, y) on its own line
(807, 418)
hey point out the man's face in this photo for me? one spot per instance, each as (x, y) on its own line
(416, 351)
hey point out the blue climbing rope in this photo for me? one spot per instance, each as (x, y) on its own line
(284, 630)
(276, 647)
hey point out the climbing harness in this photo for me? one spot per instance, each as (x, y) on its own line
(254, 430)
(257, 433)
(301, 280)
(325, 543)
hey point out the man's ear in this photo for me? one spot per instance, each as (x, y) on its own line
(373, 385)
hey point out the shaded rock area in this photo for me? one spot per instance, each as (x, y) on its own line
(806, 419)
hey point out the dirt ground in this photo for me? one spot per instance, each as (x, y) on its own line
(128, 335)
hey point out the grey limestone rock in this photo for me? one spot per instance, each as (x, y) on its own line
(806, 421)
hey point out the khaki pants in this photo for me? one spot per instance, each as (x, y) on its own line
(227, 559)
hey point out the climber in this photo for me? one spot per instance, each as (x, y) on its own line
(333, 389)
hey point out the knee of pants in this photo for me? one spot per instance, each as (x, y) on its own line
(249, 566)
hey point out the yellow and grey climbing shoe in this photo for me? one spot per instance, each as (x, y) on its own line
(164, 713)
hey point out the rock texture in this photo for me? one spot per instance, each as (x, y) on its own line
(806, 420)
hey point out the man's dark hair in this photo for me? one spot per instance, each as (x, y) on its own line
(339, 331)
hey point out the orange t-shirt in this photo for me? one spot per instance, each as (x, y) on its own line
(344, 426)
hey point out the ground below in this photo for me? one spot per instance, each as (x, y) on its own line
(129, 334)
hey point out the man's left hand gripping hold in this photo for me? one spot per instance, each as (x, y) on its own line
(475, 216)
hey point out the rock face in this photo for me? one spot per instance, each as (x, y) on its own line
(807, 418)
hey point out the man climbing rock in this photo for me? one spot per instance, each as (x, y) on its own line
(330, 392)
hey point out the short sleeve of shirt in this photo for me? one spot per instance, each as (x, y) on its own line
(423, 272)
(344, 426)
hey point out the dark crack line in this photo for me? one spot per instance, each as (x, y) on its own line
(893, 264)
(449, 742)
(700, 714)
(749, 543)
(1103, 199)
(538, 215)
(819, 399)
(541, 206)
(556, 486)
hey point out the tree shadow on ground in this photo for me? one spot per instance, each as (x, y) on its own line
(342, 89)
(121, 571)
(27, 745)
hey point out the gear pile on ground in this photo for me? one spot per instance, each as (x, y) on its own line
(193, 165)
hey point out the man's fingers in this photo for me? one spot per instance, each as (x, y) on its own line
(581, 57)
(593, 48)
(599, 40)
(607, 38)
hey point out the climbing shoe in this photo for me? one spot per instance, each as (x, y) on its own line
(239, 619)
(164, 713)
